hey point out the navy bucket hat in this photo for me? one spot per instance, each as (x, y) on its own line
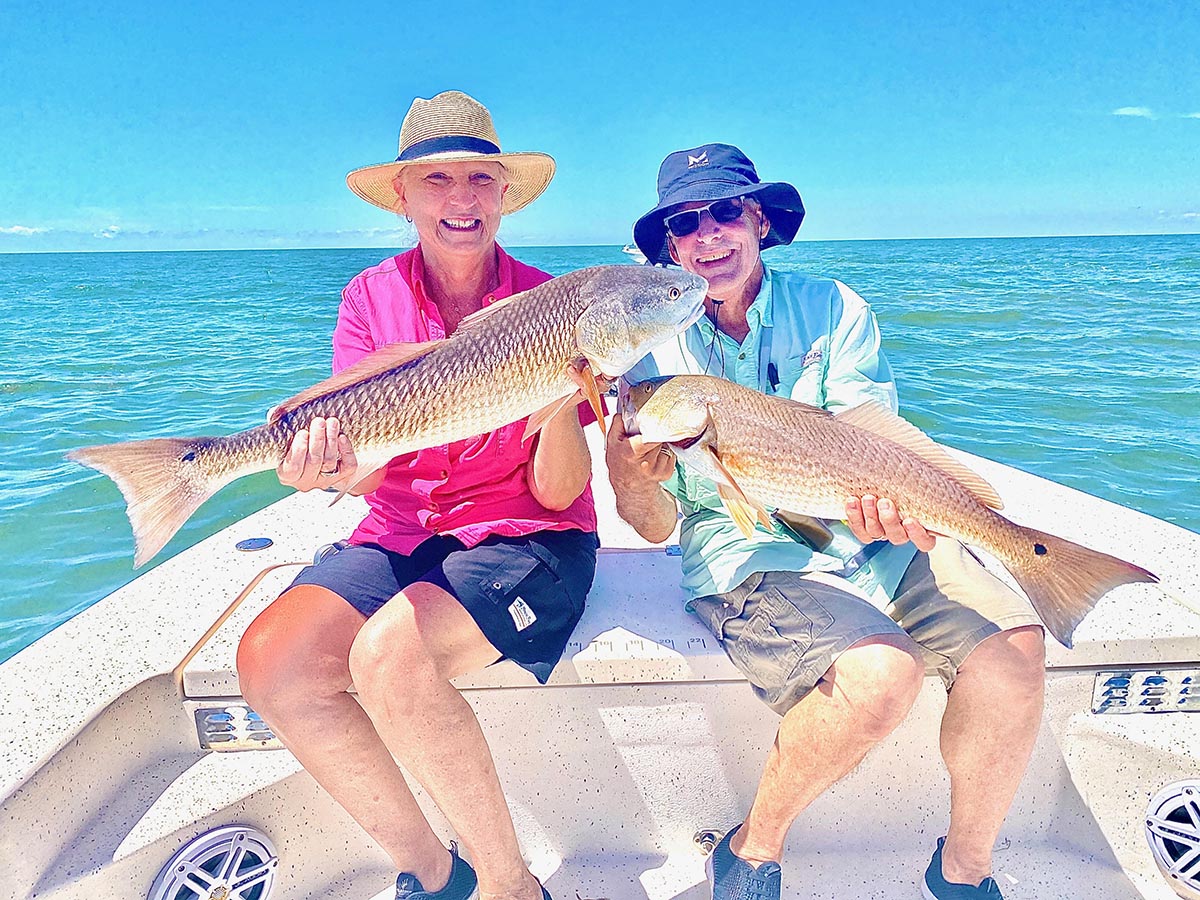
(715, 172)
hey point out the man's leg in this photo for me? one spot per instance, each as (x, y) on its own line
(988, 732)
(860, 700)
(842, 674)
(988, 645)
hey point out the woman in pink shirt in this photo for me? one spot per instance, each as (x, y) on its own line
(479, 550)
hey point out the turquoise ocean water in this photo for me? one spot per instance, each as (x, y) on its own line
(1074, 358)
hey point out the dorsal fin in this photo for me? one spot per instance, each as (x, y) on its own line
(382, 360)
(880, 420)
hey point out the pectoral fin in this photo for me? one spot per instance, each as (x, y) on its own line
(741, 508)
(593, 395)
(538, 420)
(814, 531)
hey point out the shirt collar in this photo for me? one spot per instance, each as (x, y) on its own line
(762, 308)
(760, 314)
(504, 271)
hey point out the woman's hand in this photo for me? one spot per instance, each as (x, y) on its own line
(320, 456)
(877, 519)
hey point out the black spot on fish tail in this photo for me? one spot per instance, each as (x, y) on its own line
(189, 456)
(1039, 549)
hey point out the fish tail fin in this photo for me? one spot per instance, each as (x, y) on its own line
(1064, 580)
(163, 482)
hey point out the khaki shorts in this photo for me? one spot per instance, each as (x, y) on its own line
(784, 630)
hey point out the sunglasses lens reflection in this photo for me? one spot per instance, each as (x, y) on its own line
(726, 211)
(681, 224)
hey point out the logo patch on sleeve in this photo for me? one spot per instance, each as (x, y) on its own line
(522, 615)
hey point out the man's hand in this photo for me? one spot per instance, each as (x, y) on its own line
(634, 463)
(877, 519)
(320, 457)
(636, 470)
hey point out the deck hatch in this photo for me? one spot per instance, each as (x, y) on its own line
(1146, 691)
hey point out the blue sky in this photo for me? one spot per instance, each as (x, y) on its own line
(134, 126)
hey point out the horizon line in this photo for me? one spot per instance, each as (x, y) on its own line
(798, 240)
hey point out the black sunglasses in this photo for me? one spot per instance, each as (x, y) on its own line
(681, 224)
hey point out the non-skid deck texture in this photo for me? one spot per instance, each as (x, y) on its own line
(645, 735)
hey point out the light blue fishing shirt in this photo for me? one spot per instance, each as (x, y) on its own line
(813, 340)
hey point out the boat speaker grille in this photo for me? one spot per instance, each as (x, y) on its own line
(233, 862)
(1173, 830)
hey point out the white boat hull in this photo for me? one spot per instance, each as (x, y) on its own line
(645, 736)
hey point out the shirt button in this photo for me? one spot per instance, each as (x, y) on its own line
(445, 474)
(433, 507)
(741, 356)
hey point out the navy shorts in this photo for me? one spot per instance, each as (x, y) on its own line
(526, 594)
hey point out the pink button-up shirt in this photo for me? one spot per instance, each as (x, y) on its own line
(469, 489)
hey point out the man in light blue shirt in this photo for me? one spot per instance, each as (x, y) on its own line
(859, 609)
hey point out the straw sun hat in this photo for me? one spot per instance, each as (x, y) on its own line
(453, 127)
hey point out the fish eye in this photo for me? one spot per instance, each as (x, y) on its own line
(674, 293)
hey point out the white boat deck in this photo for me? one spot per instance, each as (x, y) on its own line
(645, 734)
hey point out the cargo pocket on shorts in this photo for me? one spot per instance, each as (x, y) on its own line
(530, 595)
(771, 646)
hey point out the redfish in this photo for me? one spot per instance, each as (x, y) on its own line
(507, 361)
(765, 451)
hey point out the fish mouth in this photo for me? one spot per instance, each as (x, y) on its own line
(692, 316)
(626, 408)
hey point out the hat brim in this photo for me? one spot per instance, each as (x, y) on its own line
(780, 201)
(528, 176)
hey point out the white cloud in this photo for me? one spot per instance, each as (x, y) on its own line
(1191, 215)
(1195, 115)
(23, 230)
(1139, 112)
(108, 233)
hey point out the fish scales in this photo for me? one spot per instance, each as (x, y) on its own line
(831, 464)
(774, 452)
(502, 364)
